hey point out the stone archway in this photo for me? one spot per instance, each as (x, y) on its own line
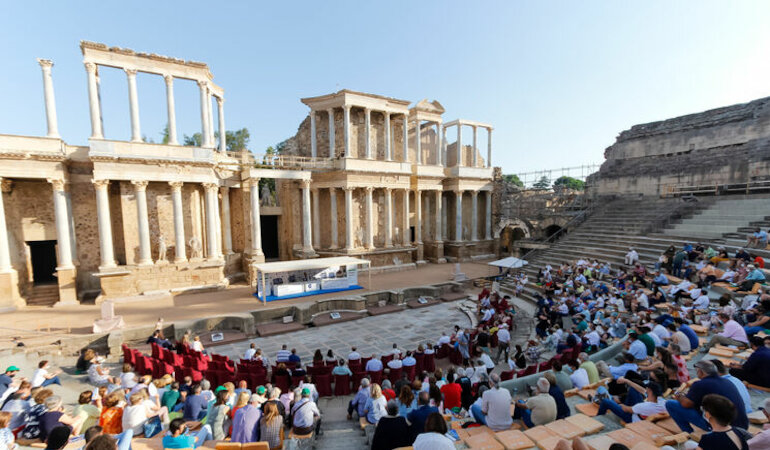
(508, 232)
(513, 223)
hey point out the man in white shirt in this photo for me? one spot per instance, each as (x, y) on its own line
(396, 352)
(354, 355)
(283, 354)
(489, 365)
(654, 404)
(702, 301)
(374, 364)
(409, 360)
(503, 341)
(631, 257)
(593, 338)
(250, 352)
(495, 409)
(395, 363)
(579, 376)
(444, 339)
(661, 332)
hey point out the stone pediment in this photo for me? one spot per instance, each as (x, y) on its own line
(433, 107)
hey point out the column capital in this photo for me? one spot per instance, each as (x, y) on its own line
(140, 185)
(210, 186)
(5, 185)
(369, 189)
(328, 110)
(100, 184)
(331, 189)
(91, 67)
(250, 182)
(58, 183)
(203, 84)
(176, 185)
(130, 72)
(367, 110)
(169, 79)
(458, 191)
(305, 184)
(388, 190)
(475, 192)
(348, 188)
(220, 101)
(46, 64)
(224, 189)
(347, 107)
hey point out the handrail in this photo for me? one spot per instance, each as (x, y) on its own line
(280, 161)
(673, 190)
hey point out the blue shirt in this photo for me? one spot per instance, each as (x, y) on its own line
(562, 408)
(717, 385)
(756, 275)
(181, 441)
(620, 371)
(193, 407)
(418, 417)
(359, 401)
(661, 279)
(741, 390)
(638, 349)
(694, 341)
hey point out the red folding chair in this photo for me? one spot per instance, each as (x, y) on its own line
(508, 375)
(357, 377)
(395, 375)
(194, 374)
(455, 357)
(386, 359)
(295, 380)
(341, 384)
(376, 377)
(282, 381)
(155, 350)
(323, 383)
(410, 371)
(443, 351)
(128, 355)
(429, 363)
(420, 358)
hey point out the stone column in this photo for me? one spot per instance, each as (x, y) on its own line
(426, 225)
(438, 216)
(348, 218)
(316, 219)
(334, 217)
(172, 139)
(459, 215)
(417, 139)
(388, 151)
(368, 133)
(5, 252)
(211, 221)
(104, 223)
(443, 146)
(418, 216)
(180, 249)
(369, 239)
(406, 138)
(475, 162)
(459, 149)
(93, 102)
(222, 131)
(50, 101)
(388, 217)
(346, 129)
(474, 215)
(133, 104)
(143, 222)
(488, 217)
(203, 86)
(227, 239)
(489, 148)
(313, 145)
(331, 133)
(406, 238)
(444, 222)
(438, 143)
(73, 239)
(307, 225)
(256, 226)
(63, 242)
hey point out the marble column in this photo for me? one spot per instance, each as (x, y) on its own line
(227, 239)
(307, 225)
(171, 109)
(459, 216)
(443, 146)
(346, 128)
(331, 133)
(73, 239)
(488, 217)
(104, 223)
(406, 138)
(348, 218)
(203, 86)
(459, 149)
(143, 222)
(426, 215)
(313, 144)
(211, 221)
(5, 252)
(256, 226)
(222, 131)
(474, 215)
(180, 249)
(489, 147)
(369, 240)
(438, 143)
(133, 104)
(334, 217)
(50, 101)
(388, 150)
(316, 219)
(438, 216)
(93, 102)
(418, 216)
(475, 158)
(418, 159)
(388, 217)
(406, 238)
(444, 222)
(368, 133)
(63, 242)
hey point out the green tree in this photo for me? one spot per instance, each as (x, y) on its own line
(569, 183)
(192, 141)
(237, 140)
(543, 183)
(513, 179)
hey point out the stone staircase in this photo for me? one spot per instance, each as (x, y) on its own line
(43, 295)
(727, 217)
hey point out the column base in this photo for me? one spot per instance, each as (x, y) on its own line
(9, 291)
(67, 286)
(145, 263)
(306, 253)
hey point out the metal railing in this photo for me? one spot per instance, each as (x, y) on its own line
(279, 161)
(579, 172)
(676, 190)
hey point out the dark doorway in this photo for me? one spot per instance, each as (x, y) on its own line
(269, 226)
(43, 255)
(551, 230)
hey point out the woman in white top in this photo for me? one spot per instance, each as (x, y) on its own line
(376, 405)
(197, 345)
(140, 411)
(42, 377)
(434, 437)
(127, 377)
(98, 375)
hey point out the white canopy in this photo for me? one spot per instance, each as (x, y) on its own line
(303, 264)
(509, 263)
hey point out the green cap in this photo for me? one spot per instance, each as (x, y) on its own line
(12, 369)
(305, 391)
(220, 389)
(261, 390)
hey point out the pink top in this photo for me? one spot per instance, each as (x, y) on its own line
(734, 330)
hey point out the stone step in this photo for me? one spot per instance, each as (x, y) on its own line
(43, 295)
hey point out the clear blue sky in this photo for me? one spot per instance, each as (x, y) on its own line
(558, 80)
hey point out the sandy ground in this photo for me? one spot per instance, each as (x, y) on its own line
(32, 322)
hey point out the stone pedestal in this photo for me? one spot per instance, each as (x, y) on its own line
(456, 251)
(67, 287)
(9, 293)
(438, 253)
(420, 259)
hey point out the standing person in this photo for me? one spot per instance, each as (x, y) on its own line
(271, 426)
(42, 376)
(503, 342)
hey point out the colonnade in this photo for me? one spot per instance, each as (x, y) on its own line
(368, 150)
(474, 162)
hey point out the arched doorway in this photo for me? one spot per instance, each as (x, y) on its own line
(508, 239)
(551, 230)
